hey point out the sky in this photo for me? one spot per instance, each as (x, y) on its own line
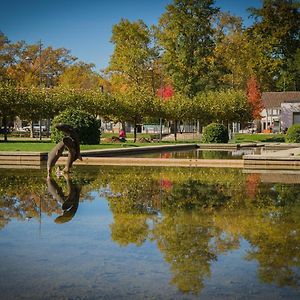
(84, 27)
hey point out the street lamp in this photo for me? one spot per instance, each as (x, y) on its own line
(160, 95)
(40, 80)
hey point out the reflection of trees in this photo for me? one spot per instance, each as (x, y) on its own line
(274, 238)
(23, 194)
(192, 194)
(195, 214)
(275, 245)
(204, 214)
(184, 239)
(129, 228)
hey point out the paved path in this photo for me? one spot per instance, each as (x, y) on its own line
(285, 153)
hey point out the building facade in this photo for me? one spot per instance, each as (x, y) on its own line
(281, 111)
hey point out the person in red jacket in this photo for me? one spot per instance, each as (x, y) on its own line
(122, 136)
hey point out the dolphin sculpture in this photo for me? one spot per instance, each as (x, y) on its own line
(70, 131)
(71, 142)
(54, 155)
(69, 202)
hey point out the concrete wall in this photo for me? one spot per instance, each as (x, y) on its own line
(287, 110)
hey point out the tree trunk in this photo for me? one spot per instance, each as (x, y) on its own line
(5, 128)
(175, 130)
(31, 129)
(123, 127)
(134, 132)
(48, 127)
(40, 129)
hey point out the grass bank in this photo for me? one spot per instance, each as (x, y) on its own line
(258, 137)
(19, 144)
(43, 146)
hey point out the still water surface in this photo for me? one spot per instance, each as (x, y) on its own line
(202, 154)
(149, 233)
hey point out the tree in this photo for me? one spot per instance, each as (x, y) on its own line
(5, 56)
(185, 33)
(33, 65)
(81, 76)
(276, 32)
(9, 103)
(131, 70)
(134, 106)
(254, 98)
(133, 56)
(36, 105)
(234, 56)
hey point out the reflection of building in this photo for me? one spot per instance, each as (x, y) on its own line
(282, 110)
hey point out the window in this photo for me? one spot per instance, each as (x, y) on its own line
(296, 117)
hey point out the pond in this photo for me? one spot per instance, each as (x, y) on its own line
(149, 233)
(201, 154)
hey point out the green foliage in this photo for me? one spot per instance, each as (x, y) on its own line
(133, 56)
(215, 133)
(185, 32)
(80, 76)
(277, 45)
(293, 134)
(263, 138)
(86, 125)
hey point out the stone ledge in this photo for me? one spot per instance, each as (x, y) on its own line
(165, 162)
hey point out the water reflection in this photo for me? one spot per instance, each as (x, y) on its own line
(193, 216)
(69, 202)
(202, 154)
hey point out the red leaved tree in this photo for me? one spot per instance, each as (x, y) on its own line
(165, 92)
(254, 97)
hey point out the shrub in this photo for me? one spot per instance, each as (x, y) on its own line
(293, 134)
(215, 133)
(85, 124)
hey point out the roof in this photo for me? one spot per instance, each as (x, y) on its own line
(274, 99)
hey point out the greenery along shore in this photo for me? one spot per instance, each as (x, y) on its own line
(16, 144)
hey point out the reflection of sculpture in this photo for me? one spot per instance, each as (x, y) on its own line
(69, 202)
(71, 142)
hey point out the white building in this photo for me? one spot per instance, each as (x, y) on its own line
(282, 110)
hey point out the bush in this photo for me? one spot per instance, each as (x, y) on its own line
(85, 124)
(215, 133)
(293, 134)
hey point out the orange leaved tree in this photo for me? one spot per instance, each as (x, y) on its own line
(254, 97)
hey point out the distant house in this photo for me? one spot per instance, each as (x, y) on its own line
(281, 110)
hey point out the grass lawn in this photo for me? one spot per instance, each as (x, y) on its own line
(43, 146)
(15, 144)
(258, 137)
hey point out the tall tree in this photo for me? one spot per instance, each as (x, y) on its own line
(82, 76)
(254, 97)
(5, 56)
(185, 33)
(276, 30)
(34, 65)
(234, 56)
(131, 62)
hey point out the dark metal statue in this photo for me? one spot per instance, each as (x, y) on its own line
(69, 202)
(71, 142)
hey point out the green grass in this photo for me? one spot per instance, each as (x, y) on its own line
(16, 144)
(258, 137)
(43, 146)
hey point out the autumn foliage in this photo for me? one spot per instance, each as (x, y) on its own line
(254, 97)
(165, 92)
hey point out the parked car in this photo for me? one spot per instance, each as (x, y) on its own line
(35, 128)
